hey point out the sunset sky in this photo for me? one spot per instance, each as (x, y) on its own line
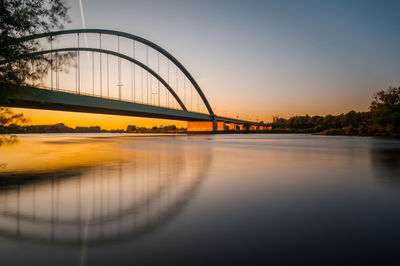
(255, 59)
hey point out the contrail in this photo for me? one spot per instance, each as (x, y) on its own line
(84, 26)
(82, 15)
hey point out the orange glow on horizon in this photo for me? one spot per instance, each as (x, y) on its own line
(74, 119)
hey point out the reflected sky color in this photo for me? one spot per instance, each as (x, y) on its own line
(122, 189)
(256, 59)
(199, 200)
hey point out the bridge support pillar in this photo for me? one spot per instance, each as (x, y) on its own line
(215, 125)
(231, 126)
(239, 127)
(205, 126)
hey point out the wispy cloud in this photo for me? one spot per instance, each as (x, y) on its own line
(84, 26)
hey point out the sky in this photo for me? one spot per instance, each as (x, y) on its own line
(255, 59)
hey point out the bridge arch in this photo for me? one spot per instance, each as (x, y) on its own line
(128, 58)
(135, 38)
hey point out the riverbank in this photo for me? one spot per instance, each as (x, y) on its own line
(327, 132)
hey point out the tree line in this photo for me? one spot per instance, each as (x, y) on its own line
(382, 119)
(10, 123)
(55, 128)
(155, 129)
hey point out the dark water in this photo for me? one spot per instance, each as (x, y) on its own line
(199, 200)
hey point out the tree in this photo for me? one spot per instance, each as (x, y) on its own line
(131, 128)
(19, 18)
(25, 17)
(7, 117)
(385, 110)
(170, 128)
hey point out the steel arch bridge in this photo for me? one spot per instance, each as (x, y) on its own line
(97, 101)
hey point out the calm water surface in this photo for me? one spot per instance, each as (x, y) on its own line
(82, 199)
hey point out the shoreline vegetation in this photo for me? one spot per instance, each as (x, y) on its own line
(62, 128)
(382, 119)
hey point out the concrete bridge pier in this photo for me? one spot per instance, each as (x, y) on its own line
(239, 127)
(206, 126)
(215, 125)
(231, 126)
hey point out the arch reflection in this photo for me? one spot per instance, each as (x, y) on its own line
(101, 203)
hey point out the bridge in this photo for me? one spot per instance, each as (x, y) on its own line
(139, 78)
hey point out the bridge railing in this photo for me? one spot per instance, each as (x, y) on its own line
(98, 96)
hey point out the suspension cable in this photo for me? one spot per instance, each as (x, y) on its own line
(147, 73)
(57, 74)
(119, 74)
(101, 70)
(76, 70)
(191, 97)
(51, 61)
(108, 77)
(184, 88)
(93, 71)
(134, 71)
(133, 55)
(158, 83)
(79, 68)
(177, 81)
(166, 92)
(141, 81)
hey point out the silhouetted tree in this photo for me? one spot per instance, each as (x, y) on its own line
(385, 110)
(131, 128)
(383, 119)
(24, 17)
(170, 128)
(8, 117)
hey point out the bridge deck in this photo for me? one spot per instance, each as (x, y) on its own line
(36, 98)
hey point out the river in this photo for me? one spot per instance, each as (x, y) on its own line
(126, 199)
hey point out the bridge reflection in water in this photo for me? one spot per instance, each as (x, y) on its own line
(96, 204)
